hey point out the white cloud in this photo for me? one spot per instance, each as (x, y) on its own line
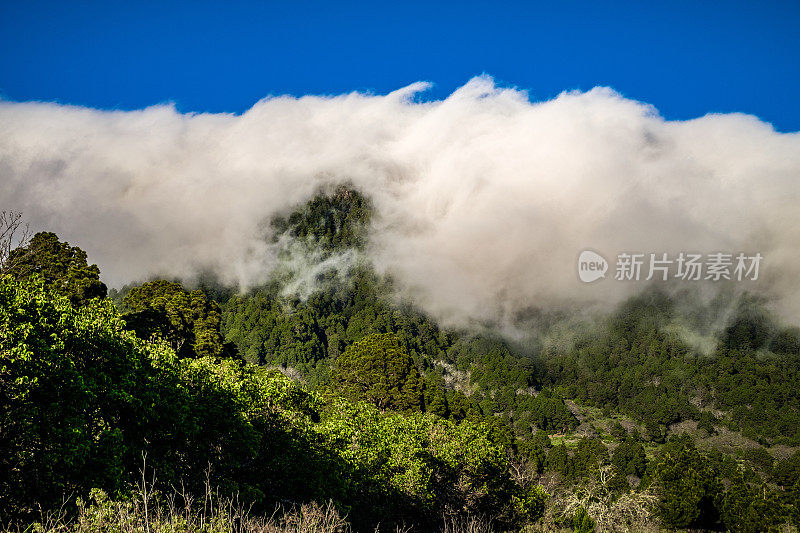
(485, 198)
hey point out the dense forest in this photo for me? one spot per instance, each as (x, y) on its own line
(324, 401)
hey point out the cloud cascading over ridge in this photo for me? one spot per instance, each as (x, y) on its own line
(485, 199)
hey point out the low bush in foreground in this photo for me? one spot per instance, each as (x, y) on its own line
(84, 399)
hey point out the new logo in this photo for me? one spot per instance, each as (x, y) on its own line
(591, 266)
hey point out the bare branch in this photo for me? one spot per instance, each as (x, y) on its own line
(14, 233)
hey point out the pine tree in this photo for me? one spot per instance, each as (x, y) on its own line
(377, 369)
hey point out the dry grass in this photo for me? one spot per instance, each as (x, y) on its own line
(149, 512)
(466, 525)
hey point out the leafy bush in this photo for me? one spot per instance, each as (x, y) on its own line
(84, 398)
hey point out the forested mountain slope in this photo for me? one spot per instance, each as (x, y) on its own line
(334, 388)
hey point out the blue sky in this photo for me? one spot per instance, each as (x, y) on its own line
(686, 58)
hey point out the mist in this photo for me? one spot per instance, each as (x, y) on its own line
(483, 200)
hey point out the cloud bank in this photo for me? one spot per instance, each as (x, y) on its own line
(485, 199)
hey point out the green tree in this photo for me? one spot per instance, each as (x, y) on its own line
(746, 509)
(618, 431)
(435, 400)
(629, 458)
(787, 471)
(761, 459)
(688, 487)
(331, 221)
(189, 321)
(750, 329)
(377, 369)
(706, 422)
(787, 341)
(530, 503)
(559, 460)
(460, 405)
(582, 522)
(534, 450)
(63, 268)
(589, 455)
